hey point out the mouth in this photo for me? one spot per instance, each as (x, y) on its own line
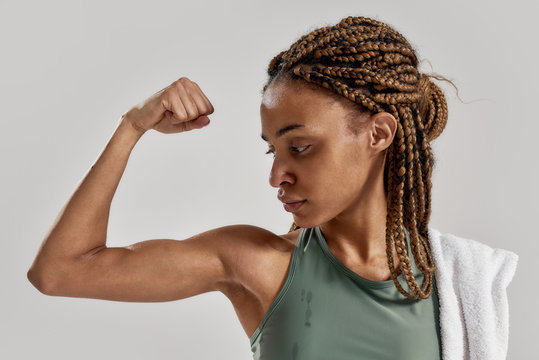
(293, 206)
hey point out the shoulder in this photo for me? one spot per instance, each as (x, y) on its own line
(245, 248)
(243, 236)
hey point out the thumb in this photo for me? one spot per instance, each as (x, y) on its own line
(197, 123)
(200, 121)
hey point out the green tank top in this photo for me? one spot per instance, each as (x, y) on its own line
(325, 311)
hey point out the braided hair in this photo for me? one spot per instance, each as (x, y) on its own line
(374, 66)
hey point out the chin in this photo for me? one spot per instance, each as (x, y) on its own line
(311, 221)
(306, 222)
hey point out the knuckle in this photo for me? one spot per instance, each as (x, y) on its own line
(191, 114)
(180, 117)
(184, 80)
(170, 92)
(182, 112)
(176, 84)
(197, 88)
(190, 87)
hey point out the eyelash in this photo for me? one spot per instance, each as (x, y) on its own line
(292, 147)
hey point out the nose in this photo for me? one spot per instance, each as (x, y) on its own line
(280, 173)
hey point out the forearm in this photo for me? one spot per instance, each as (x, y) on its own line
(81, 225)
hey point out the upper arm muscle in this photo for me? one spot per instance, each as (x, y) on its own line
(155, 270)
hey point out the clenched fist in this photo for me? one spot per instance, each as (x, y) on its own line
(181, 106)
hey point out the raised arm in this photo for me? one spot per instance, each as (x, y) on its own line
(73, 259)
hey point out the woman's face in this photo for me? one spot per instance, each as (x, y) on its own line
(316, 158)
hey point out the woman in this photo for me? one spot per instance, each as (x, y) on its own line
(349, 121)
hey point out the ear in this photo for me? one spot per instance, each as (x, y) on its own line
(384, 127)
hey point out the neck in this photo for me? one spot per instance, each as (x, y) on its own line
(359, 232)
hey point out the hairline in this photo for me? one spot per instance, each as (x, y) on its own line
(356, 113)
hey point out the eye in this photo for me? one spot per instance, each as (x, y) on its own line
(294, 149)
(301, 147)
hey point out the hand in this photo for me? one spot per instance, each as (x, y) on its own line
(179, 107)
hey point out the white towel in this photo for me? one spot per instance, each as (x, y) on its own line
(472, 279)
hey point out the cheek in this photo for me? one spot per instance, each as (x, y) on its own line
(333, 175)
(340, 180)
(343, 164)
(326, 180)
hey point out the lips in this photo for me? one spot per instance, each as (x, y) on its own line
(293, 206)
(288, 200)
(290, 204)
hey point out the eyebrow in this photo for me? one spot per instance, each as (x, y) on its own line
(283, 131)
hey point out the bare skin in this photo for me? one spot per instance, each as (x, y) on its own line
(338, 173)
(340, 176)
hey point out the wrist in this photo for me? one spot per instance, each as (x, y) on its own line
(131, 127)
(127, 132)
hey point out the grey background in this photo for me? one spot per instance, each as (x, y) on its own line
(69, 69)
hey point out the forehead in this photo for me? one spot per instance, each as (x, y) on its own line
(295, 102)
(282, 93)
(299, 102)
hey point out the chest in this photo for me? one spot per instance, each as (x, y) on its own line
(327, 311)
(264, 280)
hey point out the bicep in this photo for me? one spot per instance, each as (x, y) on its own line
(150, 270)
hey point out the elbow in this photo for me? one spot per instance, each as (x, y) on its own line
(42, 283)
